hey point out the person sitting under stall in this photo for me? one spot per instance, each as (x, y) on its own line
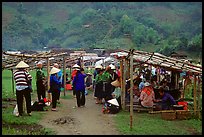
(147, 96)
(167, 101)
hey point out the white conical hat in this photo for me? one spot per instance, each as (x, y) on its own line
(54, 70)
(112, 66)
(147, 84)
(99, 67)
(76, 66)
(22, 64)
(113, 101)
(115, 83)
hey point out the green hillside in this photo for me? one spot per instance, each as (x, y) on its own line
(151, 26)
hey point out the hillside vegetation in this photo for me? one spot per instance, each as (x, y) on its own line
(151, 26)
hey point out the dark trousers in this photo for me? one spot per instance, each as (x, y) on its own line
(74, 91)
(40, 90)
(54, 98)
(19, 96)
(80, 96)
(58, 97)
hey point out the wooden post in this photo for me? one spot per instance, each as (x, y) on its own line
(82, 62)
(124, 82)
(199, 114)
(64, 71)
(12, 81)
(194, 96)
(121, 81)
(48, 78)
(131, 90)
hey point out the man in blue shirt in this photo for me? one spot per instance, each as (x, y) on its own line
(167, 100)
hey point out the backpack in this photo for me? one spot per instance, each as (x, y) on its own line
(38, 107)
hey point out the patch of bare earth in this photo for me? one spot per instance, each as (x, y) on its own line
(88, 120)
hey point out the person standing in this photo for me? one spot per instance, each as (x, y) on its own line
(113, 76)
(99, 87)
(79, 84)
(21, 77)
(74, 72)
(40, 81)
(54, 87)
(59, 77)
(107, 84)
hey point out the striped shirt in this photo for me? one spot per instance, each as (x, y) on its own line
(20, 79)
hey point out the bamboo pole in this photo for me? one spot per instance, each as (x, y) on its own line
(121, 81)
(64, 71)
(176, 80)
(12, 81)
(124, 82)
(48, 78)
(131, 90)
(198, 96)
(194, 96)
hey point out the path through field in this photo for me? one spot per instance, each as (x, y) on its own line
(88, 120)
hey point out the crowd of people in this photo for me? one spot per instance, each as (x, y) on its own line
(106, 85)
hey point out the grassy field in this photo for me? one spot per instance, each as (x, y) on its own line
(153, 124)
(19, 125)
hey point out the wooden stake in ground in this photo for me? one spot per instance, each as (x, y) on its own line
(121, 81)
(194, 96)
(131, 89)
(48, 78)
(12, 81)
(64, 71)
(124, 82)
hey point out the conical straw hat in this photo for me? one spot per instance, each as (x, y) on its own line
(76, 66)
(115, 83)
(99, 67)
(113, 101)
(54, 70)
(22, 64)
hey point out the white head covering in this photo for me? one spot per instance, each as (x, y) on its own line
(147, 84)
(99, 67)
(54, 70)
(22, 64)
(76, 66)
(112, 66)
(113, 101)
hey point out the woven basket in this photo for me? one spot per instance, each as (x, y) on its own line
(183, 114)
(171, 115)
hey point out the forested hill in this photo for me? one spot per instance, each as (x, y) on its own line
(151, 26)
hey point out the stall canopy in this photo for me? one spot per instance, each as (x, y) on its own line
(157, 59)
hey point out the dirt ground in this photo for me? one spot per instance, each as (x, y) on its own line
(88, 120)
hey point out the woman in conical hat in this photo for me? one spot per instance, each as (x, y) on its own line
(22, 64)
(22, 78)
(54, 86)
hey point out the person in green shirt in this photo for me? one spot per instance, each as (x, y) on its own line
(106, 77)
(40, 82)
(99, 87)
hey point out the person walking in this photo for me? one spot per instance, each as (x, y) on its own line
(79, 84)
(54, 87)
(22, 78)
(40, 81)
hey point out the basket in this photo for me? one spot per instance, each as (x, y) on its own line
(170, 115)
(183, 114)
